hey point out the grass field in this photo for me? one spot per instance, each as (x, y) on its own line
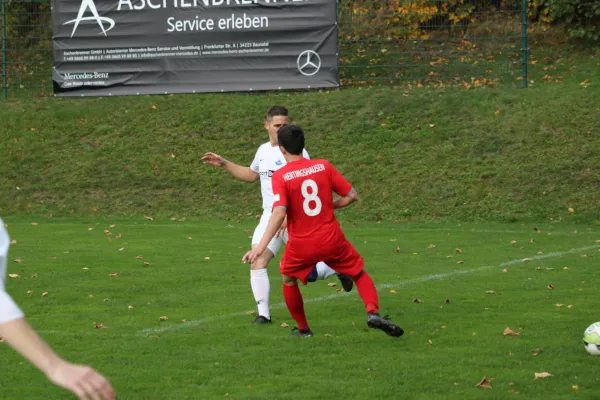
(195, 274)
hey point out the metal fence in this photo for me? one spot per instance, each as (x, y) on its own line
(382, 42)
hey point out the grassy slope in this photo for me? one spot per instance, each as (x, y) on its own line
(413, 153)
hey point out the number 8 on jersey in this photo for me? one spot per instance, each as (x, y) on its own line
(311, 198)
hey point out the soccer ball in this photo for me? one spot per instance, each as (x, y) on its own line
(591, 339)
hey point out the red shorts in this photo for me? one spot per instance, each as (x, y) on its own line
(299, 259)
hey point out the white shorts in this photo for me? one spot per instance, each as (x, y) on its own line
(276, 243)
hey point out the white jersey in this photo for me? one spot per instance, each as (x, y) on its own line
(267, 160)
(8, 309)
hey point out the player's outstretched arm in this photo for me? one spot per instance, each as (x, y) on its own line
(81, 380)
(346, 200)
(237, 171)
(274, 224)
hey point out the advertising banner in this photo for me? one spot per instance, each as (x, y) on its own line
(135, 47)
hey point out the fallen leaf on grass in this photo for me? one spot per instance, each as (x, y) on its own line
(250, 312)
(331, 284)
(328, 335)
(148, 218)
(91, 296)
(537, 351)
(207, 258)
(29, 291)
(559, 305)
(513, 242)
(415, 300)
(122, 248)
(485, 383)
(540, 253)
(447, 301)
(510, 332)
(106, 232)
(13, 276)
(18, 260)
(460, 262)
(570, 209)
(146, 263)
(284, 325)
(458, 250)
(34, 276)
(505, 270)
(44, 294)
(140, 257)
(130, 307)
(13, 242)
(398, 249)
(527, 260)
(565, 268)
(100, 326)
(34, 224)
(339, 290)
(430, 342)
(163, 318)
(570, 306)
(392, 291)
(542, 375)
(575, 387)
(85, 268)
(513, 391)
(106, 300)
(550, 287)
(113, 275)
(189, 238)
(490, 292)
(431, 246)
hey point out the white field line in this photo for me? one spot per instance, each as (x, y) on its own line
(425, 278)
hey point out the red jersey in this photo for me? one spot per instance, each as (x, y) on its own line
(305, 188)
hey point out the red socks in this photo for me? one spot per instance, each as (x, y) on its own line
(295, 305)
(368, 293)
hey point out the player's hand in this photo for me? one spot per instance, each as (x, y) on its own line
(252, 255)
(213, 159)
(82, 380)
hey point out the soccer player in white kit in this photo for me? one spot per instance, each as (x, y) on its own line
(83, 381)
(267, 160)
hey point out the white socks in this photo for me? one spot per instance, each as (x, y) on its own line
(324, 271)
(261, 287)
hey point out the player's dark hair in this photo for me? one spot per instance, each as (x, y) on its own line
(276, 111)
(291, 138)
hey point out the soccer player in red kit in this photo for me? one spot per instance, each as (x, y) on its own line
(303, 190)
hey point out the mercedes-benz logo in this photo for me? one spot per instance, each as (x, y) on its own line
(309, 63)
